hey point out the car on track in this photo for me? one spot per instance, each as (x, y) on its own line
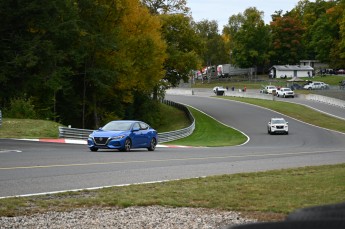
(277, 125)
(285, 92)
(123, 135)
(269, 89)
(219, 90)
(316, 85)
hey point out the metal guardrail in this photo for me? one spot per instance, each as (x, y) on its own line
(74, 133)
(0, 118)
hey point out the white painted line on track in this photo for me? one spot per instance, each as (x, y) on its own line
(10, 151)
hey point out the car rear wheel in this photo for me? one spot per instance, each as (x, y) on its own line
(153, 144)
(127, 146)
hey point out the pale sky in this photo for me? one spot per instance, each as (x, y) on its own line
(221, 10)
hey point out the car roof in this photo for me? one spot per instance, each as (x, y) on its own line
(132, 121)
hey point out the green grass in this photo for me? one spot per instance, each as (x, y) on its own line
(28, 128)
(172, 122)
(279, 191)
(208, 128)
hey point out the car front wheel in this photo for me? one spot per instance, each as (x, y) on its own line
(153, 144)
(127, 146)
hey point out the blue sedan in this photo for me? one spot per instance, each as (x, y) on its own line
(123, 135)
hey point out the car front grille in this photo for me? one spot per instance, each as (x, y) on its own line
(280, 127)
(101, 140)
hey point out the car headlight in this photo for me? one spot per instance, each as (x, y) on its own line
(118, 137)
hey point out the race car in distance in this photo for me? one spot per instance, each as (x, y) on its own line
(269, 89)
(277, 125)
(285, 92)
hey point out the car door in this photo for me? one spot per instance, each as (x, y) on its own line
(317, 85)
(145, 133)
(136, 135)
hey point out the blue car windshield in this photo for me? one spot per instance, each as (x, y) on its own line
(115, 126)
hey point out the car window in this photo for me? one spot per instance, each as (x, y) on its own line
(144, 126)
(116, 126)
(278, 121)
(136, 126)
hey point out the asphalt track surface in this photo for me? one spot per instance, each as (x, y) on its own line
(37, 167)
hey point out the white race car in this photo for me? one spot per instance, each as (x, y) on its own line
(219, 90)
(285, 92)
(278, 125)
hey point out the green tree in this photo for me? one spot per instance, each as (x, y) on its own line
(36, 43)
(249, 39)
(214, 50)
(166, 6)
(182, 41)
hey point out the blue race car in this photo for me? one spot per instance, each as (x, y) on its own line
(123, 135)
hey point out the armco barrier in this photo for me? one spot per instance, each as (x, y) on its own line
(74, 133)
(0, 118)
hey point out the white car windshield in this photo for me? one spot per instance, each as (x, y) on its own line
(278, 121)
(114, 126)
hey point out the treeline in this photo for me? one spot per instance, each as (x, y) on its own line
(85, 62)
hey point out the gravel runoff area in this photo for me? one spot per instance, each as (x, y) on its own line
(132, 217)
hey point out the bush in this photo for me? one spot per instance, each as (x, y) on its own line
(20, 108)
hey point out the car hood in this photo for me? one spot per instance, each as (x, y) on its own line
(102, 133)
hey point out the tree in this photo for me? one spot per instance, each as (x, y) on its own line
(214, 51)
(182, 41)
(81, 62)
(36, 43)
(125, 58)
(249, 38)
(166, 6)
(287, 33)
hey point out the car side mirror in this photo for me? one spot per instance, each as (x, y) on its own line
(287, 122)
(100, 128)
(136, 129)
(269, 122)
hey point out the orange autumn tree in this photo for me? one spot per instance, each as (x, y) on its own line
(124, 61)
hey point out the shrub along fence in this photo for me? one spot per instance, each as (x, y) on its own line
(74, 133)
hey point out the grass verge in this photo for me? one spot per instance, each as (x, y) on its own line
(273, 194)
(28, 128)
(216, 133)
